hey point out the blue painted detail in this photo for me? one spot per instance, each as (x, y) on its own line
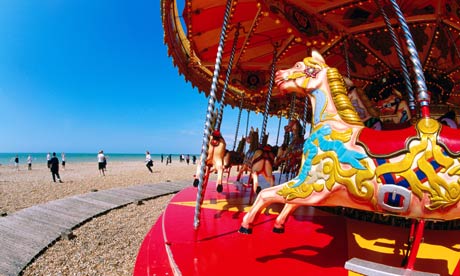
(310, 150)
(321, 102)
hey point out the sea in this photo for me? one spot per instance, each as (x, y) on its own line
(7, 158)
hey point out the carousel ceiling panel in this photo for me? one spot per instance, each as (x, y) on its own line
(352, 35)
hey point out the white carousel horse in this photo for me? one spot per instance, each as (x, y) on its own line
(369, 115)
(258, 161)
(214, 161)
(412, 172)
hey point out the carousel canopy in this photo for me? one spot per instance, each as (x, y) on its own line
(353, 36)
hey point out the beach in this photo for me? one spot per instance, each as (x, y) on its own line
(106, 245)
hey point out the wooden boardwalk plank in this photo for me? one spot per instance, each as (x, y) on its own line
(127, 194)
(25, 233)
(105, 197)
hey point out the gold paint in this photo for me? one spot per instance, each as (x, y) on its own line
(341, 101)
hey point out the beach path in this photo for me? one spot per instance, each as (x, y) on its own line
(26, 233)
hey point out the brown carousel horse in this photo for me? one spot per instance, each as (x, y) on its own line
(289, 159)
(412, 173)
(214, 161)
(234, 158)
(257, 161)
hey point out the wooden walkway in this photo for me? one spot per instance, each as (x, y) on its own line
(28, 232)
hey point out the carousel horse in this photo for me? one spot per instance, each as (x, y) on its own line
(369, 115)
(394, 110)
(234, 157)
(411, 173)
(290, 158)
(215, 160)
(257, 160)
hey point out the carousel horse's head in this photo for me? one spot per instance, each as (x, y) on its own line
(391, 104)
(304, 77)
(216, 134)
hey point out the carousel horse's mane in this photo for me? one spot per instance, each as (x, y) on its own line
(343, 104)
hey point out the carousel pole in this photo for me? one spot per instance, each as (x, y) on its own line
(347, 59)
(402, 61)
(269, 95)
(227, 76)
(238, 122)
(278, 133)
(304, 117)
(207, 126)
(422, 92)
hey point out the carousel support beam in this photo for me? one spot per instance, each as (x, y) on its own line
(402, 61)
(269, 95)
(238, 122)
(278, 133)
(422, 92)
(207, 127)
(227, 76)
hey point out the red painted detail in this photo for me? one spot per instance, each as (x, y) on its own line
(448, 137)
(425, 110)
(379, 143)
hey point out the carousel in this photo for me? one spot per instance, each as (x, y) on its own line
(366, 180)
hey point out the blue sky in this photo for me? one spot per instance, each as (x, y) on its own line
(84, 75)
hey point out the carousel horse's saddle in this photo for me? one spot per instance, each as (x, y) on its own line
(378, 143)
(388, 143)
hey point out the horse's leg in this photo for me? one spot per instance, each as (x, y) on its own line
(197, 174)
(268, 173)
(282, 217)
(255, 182)
(220, 171)
(264, 198)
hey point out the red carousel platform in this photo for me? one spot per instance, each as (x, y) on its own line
(316, 242)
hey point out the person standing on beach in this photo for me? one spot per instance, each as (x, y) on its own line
(54, 168)
(148, 161)
(16, 162)
(63, 160)
(101, 161)
(48, 160)
(187, 158)
(29, 162)
(162, 158)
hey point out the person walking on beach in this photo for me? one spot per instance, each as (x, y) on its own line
(29, 162)
(162, 158)
(101, 161)
(187, 159)
(54, 168)
(48, 160)
(148, 161)
(16, 162)
(63, 160)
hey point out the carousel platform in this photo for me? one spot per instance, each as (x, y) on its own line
(316, 241)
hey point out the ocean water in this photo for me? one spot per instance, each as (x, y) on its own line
(40, 157)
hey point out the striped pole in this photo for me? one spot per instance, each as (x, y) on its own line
(207, 126)
(238, 122)
(227, 76)
(402, 61)
(422, 92)
(269, 95)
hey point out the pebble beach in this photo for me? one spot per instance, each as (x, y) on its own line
(106, 245)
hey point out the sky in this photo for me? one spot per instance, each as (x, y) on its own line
(84, 75)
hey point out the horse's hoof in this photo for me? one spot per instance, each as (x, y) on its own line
(244, 230)
(278, 230)
(220, 188)
(258, 189)
(195, 183)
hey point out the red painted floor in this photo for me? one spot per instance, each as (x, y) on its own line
(315, 242)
